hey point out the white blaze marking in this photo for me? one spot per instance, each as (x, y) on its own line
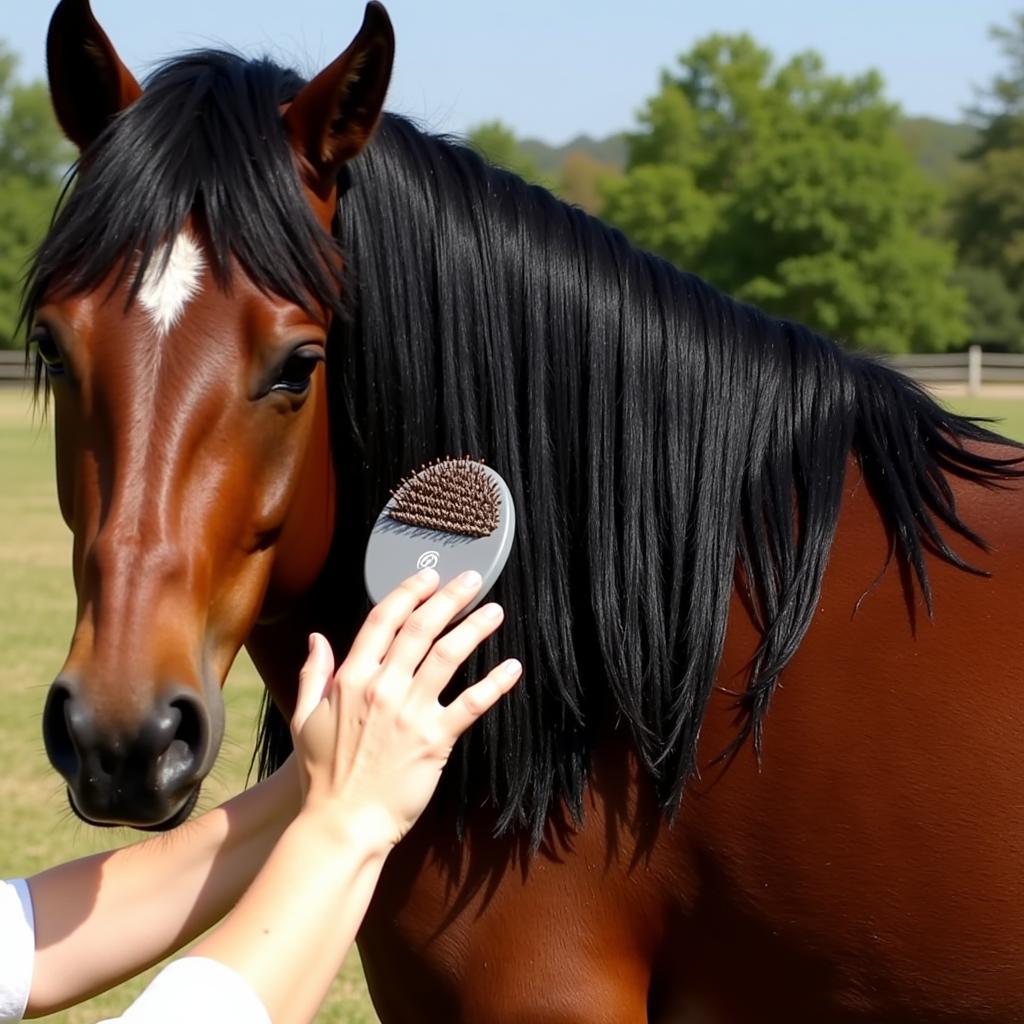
(168, 289)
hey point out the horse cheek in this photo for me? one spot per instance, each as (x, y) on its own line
(305, 538)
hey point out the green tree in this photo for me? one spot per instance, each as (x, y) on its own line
(790, 188)
(497, 143)
(33, 156)
(581, 178)
(988, 208)
(995, 316)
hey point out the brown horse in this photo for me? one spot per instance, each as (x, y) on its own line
(258, 308)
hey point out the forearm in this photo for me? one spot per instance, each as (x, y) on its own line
(104, 918)
(289, 933)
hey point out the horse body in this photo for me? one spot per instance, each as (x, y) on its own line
(873, 875)
(719, 510)
(853, 875)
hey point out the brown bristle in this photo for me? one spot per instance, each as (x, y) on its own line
(453, 495)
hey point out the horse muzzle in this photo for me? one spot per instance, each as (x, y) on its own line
(146, 774)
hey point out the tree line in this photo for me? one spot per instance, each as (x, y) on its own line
(781, 183)
(796, 190)
(33, 157)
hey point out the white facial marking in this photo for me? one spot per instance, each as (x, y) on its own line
(168, 289)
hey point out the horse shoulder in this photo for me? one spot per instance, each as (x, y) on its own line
(858, 863)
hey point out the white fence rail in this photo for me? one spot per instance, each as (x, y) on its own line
(12, 367)
(972, 370)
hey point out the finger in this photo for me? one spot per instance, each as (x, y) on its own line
(454, 648)
(387, 617)
(426, 624)
(471, 704)
(314, 679)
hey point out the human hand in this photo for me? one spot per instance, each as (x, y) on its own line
(372, 739)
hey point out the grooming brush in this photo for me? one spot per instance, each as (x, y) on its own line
(453, 515)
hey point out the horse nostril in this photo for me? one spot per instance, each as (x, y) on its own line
(57, 731)
(191, 728)
(109, 761)
(184, 735)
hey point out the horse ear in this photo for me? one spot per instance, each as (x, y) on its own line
(89, 84)
(332, 118)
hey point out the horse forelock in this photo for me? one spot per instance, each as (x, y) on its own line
(203, 145)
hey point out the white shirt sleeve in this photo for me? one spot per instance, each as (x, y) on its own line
(17, 948)
(199, 991)
(192, 989)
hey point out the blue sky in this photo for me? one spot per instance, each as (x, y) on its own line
(552, 68)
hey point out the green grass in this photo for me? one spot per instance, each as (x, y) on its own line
(1007, 412)
(36, 617)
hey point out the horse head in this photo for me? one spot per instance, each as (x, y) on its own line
(185, 369)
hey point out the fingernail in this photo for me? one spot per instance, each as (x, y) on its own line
(427, 575)
(470, 579)
(311, 643)
(492, 612)
(512, 667)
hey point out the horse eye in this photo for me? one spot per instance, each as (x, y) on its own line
(297, 370)
(47, 348)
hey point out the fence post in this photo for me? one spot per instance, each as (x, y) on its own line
(974, 370)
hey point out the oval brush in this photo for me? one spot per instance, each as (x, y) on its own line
(453, 515)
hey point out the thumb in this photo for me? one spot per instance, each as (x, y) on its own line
(314, 678)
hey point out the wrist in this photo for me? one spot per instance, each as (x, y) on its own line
(365, 831)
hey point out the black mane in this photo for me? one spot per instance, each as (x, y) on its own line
(660, 440)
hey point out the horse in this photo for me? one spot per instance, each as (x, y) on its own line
(764, 763)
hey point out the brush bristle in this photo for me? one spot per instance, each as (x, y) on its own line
(452, 495)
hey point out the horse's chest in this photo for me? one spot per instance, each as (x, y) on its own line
(492, 934)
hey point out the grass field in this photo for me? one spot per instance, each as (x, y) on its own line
(1008, 413)
(36, 616)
